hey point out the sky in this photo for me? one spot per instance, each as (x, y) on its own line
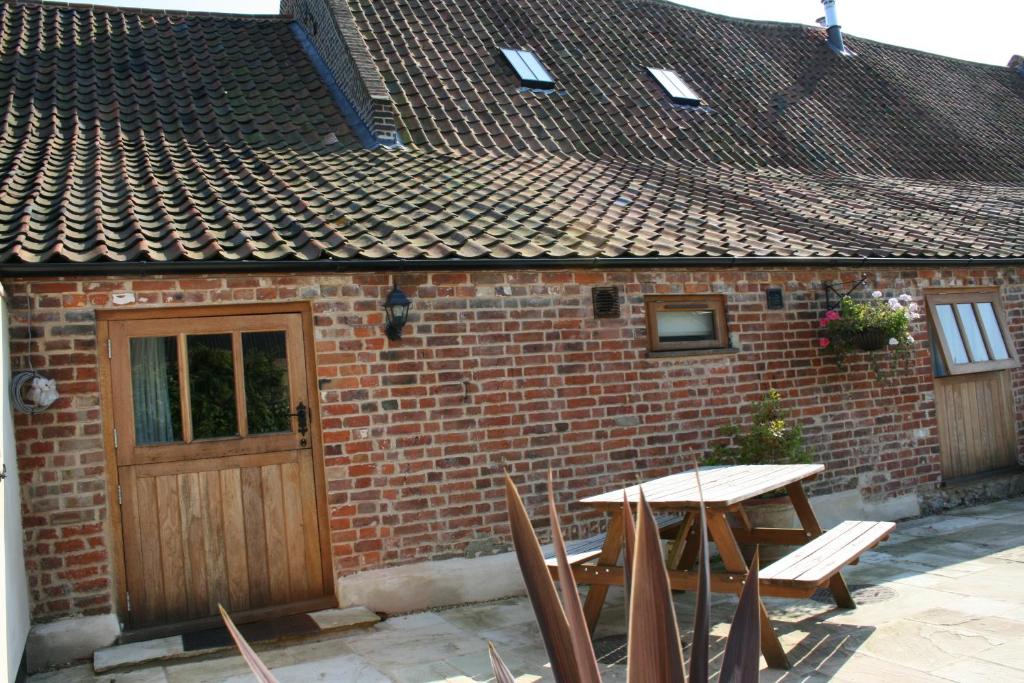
(988, 31)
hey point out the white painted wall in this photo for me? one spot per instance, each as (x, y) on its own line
(13, 585)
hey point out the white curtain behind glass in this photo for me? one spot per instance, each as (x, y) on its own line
(151, 391)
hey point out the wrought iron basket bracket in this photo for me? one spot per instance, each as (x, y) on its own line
(834, 293)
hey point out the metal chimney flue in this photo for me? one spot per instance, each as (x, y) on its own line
(835, 31)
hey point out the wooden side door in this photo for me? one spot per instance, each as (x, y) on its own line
(973, 355)
(215, 463)
(977, 423)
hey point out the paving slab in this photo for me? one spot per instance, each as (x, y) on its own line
(944, 603)
(136, 654)
(975, 671)
(165, 649)
(345, 668)
(1010, 654)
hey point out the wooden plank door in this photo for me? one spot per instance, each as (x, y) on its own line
(215, 467)
(973, 353)
(977, 425)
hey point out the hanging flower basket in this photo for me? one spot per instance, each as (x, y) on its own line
(871, 339)
(872, 326)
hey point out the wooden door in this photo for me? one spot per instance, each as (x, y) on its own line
(977, 426)
(973, 354)
(213, 437)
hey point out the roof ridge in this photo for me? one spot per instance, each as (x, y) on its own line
(142, 11)
(770, 23)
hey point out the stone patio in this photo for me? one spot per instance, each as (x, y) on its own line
(942, 600)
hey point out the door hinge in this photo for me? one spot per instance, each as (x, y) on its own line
(120, 498)
(115, 438)
(110, 349)
(128, 601)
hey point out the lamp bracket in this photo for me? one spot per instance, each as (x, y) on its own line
(834, 293)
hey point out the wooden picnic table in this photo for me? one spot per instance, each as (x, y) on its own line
(816, 563)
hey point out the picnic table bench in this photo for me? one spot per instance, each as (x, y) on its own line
(586, 549)
(817, 560)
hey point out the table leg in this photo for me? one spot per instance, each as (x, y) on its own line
(688, 560)
(681, 542)
(837, 584)
(721, 532)
(609, 556)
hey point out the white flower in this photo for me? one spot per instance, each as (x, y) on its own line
(910, 340)
(876, 294)
(915, 316)
(892, 341)
(913, 307)
(905, 298)
(895, 304)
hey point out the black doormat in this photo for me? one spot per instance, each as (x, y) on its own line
(256, 632)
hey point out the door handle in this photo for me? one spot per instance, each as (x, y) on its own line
(302, 414)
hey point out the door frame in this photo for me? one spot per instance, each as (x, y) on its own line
(103, 319)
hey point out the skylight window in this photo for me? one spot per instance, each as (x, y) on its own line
(678, 91)
(531, 72)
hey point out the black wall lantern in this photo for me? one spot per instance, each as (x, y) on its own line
(396, 308)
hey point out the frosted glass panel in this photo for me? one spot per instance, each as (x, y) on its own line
(995, 334)
(975, 342)
(679, 326)
(952, 333)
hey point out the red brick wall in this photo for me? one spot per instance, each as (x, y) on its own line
(496, 369)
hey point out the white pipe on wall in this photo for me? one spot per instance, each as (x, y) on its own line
(13, 584)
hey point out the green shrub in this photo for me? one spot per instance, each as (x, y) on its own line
(768, 441)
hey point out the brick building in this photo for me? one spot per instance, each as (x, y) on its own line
(202, 217)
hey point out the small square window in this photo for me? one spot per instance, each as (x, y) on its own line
(676, 323)
(971, 332)
(531, 72)
(678, 90)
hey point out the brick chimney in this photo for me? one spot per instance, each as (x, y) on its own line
(328, 32)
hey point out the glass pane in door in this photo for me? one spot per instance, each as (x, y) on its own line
(993, 330)
(974, 340)
(211, 385)
(156, 394)
(267, 404)
(947, 322)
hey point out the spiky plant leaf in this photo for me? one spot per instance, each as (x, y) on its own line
(502, 674)
(583, 649)
(259, 669)
(554, 627)
(653, 652)
(741, 660)
(629, 529)
(701, 619)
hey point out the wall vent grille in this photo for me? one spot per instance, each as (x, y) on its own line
(606, 302)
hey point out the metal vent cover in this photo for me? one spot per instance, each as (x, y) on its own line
(606, 301)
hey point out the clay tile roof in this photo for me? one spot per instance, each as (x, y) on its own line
(133, 136)
(776, 94)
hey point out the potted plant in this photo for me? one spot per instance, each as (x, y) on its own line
(769, 440)
(875, 325)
